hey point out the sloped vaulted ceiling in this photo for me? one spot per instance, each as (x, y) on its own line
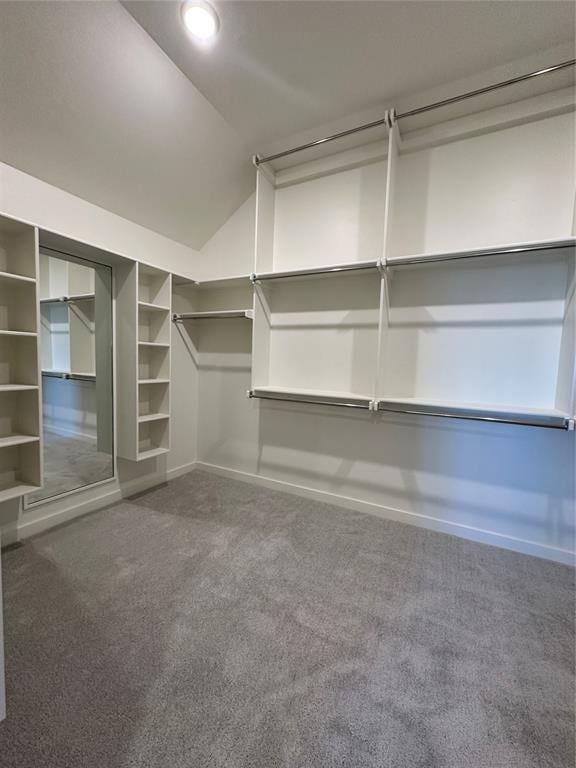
(114, 103)
(90, 103)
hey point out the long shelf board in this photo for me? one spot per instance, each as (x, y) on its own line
(330, 269)
(214, 282)
(144, 419)
(313, 396)
(498, 250)
(17, 387)
(18, 278)
(9, 440)
(526, 416)
(149, 307)
(151, 453)
(153, 381)
(157, 344)
(15, 489)
(221, 314)
(30, 334)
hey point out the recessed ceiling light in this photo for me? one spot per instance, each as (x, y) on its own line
(200, 19)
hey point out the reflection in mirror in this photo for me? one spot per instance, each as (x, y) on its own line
(76, 353)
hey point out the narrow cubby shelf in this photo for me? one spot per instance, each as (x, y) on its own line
(11, 276)
(147, 382)
(144, 315)
(7, 441)
(4, 332)
(13, 387)
(149, 307)
(20, 402)
(152, 417)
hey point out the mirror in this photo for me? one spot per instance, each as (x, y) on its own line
(77, 385)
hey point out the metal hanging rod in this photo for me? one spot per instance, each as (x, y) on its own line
(417, 111)
(427, 258)
(547, 422)
(311, 400)
(333, 269)
(69, 376)
(224, 314)
(69, 299)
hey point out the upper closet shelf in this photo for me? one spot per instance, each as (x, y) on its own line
(331, 269)
(501, 250)
(222, 314)
(524, 416)
(313, 397)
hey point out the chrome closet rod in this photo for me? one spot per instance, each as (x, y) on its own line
(360, 265)
(562, 424)
(69, 376)
(288, 399)
(427, 258)
(417, 111)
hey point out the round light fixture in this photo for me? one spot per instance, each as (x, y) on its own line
(200, 19)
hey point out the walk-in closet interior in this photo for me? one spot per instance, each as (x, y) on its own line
(288, 384)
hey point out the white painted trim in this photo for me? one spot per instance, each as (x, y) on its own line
(22, 530)
(410, 518)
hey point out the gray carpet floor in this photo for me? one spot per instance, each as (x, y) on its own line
(213, 624)
(71, 462)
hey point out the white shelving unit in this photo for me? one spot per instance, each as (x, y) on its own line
(20, 387)
(319, 240)
(464, 303)
(143, 312)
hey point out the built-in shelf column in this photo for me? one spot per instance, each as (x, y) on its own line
(20, 386)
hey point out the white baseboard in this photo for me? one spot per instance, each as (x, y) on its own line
(77, 508)
(65, 432)
(74, 506)
(411, 518)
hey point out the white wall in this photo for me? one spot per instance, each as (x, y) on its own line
(31, 200)
(510, 486)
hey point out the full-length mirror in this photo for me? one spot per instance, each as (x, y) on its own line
(77, 383)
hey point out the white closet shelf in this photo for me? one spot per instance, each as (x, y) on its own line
(221, 314)
(330, 269)
(7, 441)
(16, 488)
(18, 278)
(4, 332)
(213, 282)
(17, 387)
(498, 250)
(153, 381)
(156, 344)
(149, 307)
(147, 417)
(526, 416)
(313, 396)
(151, 453)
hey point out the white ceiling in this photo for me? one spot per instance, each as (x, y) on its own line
(283, 66)
(91, 103)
